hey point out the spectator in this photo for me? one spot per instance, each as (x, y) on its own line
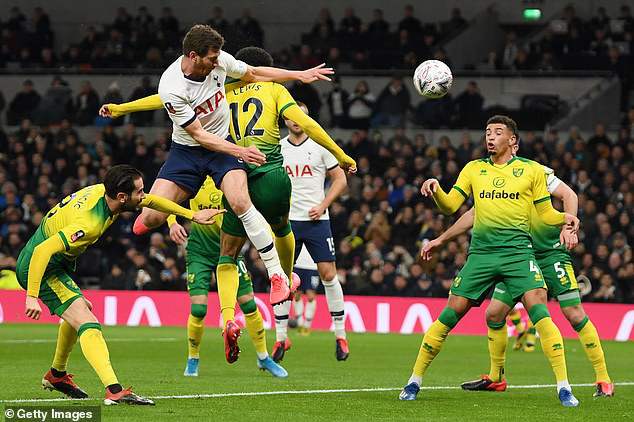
(23, 104)
(360, 106)
(144, 22)
(392, 105)
(308, 95)
(146, 88)
(410, 23)
(56, 105)
(469, 107)
(116, 280)
(168, 23)
(455, 23)
(86, 104)
(249, 29)
(337, 100)
(510, 50)
(218, 22)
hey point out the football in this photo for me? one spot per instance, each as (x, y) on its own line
(432, 79)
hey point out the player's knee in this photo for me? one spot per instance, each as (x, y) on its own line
(249, 307)
(574, 314)
(240, 202)
(198, 310)
(494, 316)
(310, 295)
(245, 298)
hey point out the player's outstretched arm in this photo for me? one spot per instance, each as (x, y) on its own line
(274, 74)
(463, 225)
(447, 202)
(319, 135)
(161, 204)
(571, 206)
(152, 102)
(39, 260)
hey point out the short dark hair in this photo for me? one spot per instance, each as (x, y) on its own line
(254, 56)
(121, 178)
(200, 39)
(506, 121)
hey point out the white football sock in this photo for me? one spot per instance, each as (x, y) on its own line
(298, 308)
(309, 313)
(334, 297)
(563, 384)
(415, 378)
(259, 234)
(281, 312)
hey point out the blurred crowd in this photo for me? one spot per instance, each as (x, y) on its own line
(379, 225)
(143, 40)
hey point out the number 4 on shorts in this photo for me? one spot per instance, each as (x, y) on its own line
(533, 268)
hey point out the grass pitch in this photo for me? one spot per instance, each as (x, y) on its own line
(152, 360)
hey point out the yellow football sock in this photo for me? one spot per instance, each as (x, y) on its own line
(195, 329)
(498, 341)
(516, 318)
(589, 339)
(255, 327)
(553, 346)
(227, 276)
(96, 352)
(285, 246)
(430, 346)
(66, 338)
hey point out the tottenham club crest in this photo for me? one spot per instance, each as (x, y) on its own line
(518, 171)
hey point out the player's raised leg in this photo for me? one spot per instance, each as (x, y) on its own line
(234, 186)
(169, 189)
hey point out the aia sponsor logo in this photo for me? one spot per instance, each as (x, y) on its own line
(210, 104)
(296, 171)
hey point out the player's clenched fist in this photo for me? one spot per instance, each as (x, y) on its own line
(252, 155)
(32, 308)
(429, 187)
(205, 216)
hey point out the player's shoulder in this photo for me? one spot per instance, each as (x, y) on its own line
(477, 163)
(172, 79)
(534, 166)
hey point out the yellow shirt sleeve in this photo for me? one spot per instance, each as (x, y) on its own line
(171, 220)
(161, 204)
(540, 191)
(153, 102)
(450, 202)
(463, 184)
(39, 260)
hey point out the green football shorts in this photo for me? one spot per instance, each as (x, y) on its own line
(199, 276)
(559, 275)
(518, 271)
(270, 193)
(57, 290)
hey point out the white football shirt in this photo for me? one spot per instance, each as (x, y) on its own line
(307, 165)
(186, 99)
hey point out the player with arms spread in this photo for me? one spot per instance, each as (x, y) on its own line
(505, 189)
(551, 251)
(192, 91)
(203, 253)
(44, 266)
(255, 110)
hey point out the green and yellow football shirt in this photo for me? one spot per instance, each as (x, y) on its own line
(504, 197)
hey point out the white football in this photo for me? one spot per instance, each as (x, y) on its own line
(432, 79)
